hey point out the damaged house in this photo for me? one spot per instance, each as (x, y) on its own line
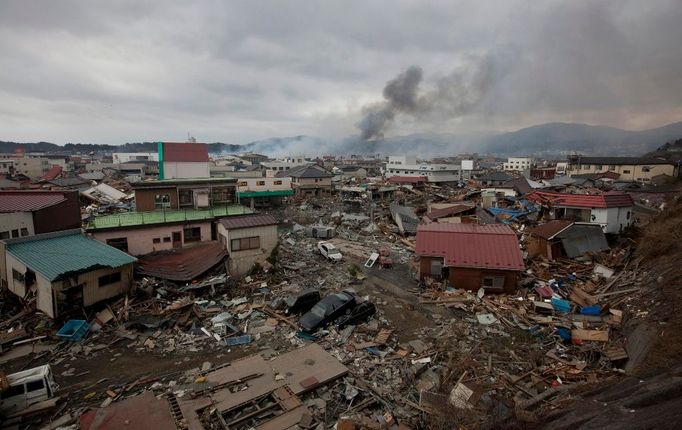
(65, 270)
(310, 179)
(470, 256)
(563, 238)
(611, 210)
(249, 239)
(25, 213)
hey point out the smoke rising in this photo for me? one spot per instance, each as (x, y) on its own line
(451, 96)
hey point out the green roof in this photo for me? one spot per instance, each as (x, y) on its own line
(61, 254)
(133, 219)
(275, 193)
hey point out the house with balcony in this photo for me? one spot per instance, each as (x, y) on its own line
(181, 193)
(263, 191)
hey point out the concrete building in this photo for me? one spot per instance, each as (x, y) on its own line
(612, 210)
(249, 239)
(407, 165)
(636, 169)
(470, 256)
(140, 233)
(274, 167)
(6, 167)
(25, 213)
(183, 160)
(263, 191)
(125, 157)
(518, 164)
(310, 179)
(184, 193)
(32, 167)
(66, 270)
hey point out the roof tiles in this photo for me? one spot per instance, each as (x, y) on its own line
(28, 201)
(248, 221)
(600, 201)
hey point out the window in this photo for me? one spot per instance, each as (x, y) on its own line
(18, 276)
(24, 232)
(109, 279)
(35, 385)
(4, 235)
(625, 172)
(166, 239)
(243, 184)
(192, 234)
(599, 167)
(627, 215)
(15, 233)
(245, 243)
(221, 195)
(587, 166)
(156, 240)
(646, 169)
(260, 183)
(612, 167)
(186, 197)
(13, 390)
(119, 243)
(162, 201)
(277, 182)
(493, 283)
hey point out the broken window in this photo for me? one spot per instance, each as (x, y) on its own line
(24, 232)
(221, 195)
(120, 243)
(277, 182)
(245, 243)
(18, 276)
(162, 201)
(109, 279)
(166, 239)
(192, 234)
(156, 240)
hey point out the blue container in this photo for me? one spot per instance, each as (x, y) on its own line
(591, 310)
(561, 305)
(74, 330)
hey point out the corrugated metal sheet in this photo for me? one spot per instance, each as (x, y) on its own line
(582, 238)
(605, 200)
(248, 221)
(471, 245)
(189, 152)
(28, 201)
(54, 255)
(451, 211)
(52, 173)
(549, 229)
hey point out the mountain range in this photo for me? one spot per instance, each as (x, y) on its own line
(547, 140)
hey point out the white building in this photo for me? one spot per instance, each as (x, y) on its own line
(281, 165)
(407, 165)
(6, 167)
(518, 164)
(125, 157)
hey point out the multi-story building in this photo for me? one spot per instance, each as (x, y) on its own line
(272, 168)
(407, 165)
(124, 157)
(263, 191)
(637, 169)
(518, 164)
(183, 160)
(310, 179)
(182, 193)
(6, 167)
(32, 167)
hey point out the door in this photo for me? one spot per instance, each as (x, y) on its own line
(177, 239)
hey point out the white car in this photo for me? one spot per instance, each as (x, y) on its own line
(329, 251)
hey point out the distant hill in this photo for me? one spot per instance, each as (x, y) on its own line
(548, 140)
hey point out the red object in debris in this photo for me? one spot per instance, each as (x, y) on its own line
(52, 173)
(612, 199)
(492, 246)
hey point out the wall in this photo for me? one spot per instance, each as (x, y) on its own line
(469, 278)
(240, 262)
(31, 167)
(321, 182)
(250, 184)
(144, 198)
(141, 240)
(16, 221)
(124, 157)
(627, 172)
(612, 220)
(14, 286)
(185, 169)
(62, 216)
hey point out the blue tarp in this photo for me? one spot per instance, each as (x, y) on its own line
(512, 213)
(561, 305)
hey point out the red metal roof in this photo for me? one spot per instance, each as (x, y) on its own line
(28, 201)
(550, 229)
(191, 152)
(471, 245)
(52, 173)
(407, 179)
(248, 221)
(183, 264)
(612, 199)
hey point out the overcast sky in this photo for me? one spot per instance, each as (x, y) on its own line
(115, 72)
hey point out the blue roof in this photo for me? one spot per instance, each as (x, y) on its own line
(58, 255)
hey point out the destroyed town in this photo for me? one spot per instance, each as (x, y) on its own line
(475, 222)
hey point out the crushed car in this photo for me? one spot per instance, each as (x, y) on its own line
(327, 310)
(329, 251)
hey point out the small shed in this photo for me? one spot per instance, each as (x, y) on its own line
(563, 238)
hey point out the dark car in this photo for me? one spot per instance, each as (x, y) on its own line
(362, 313)
(302, 302)
(327, 310)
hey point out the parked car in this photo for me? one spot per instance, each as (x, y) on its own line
(327, 311)
(329, 251)
(26, 388)
(360, 314)
(302, 302)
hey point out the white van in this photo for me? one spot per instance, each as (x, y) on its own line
(26, 388)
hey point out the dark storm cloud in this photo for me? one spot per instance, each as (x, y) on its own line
(236, 71)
